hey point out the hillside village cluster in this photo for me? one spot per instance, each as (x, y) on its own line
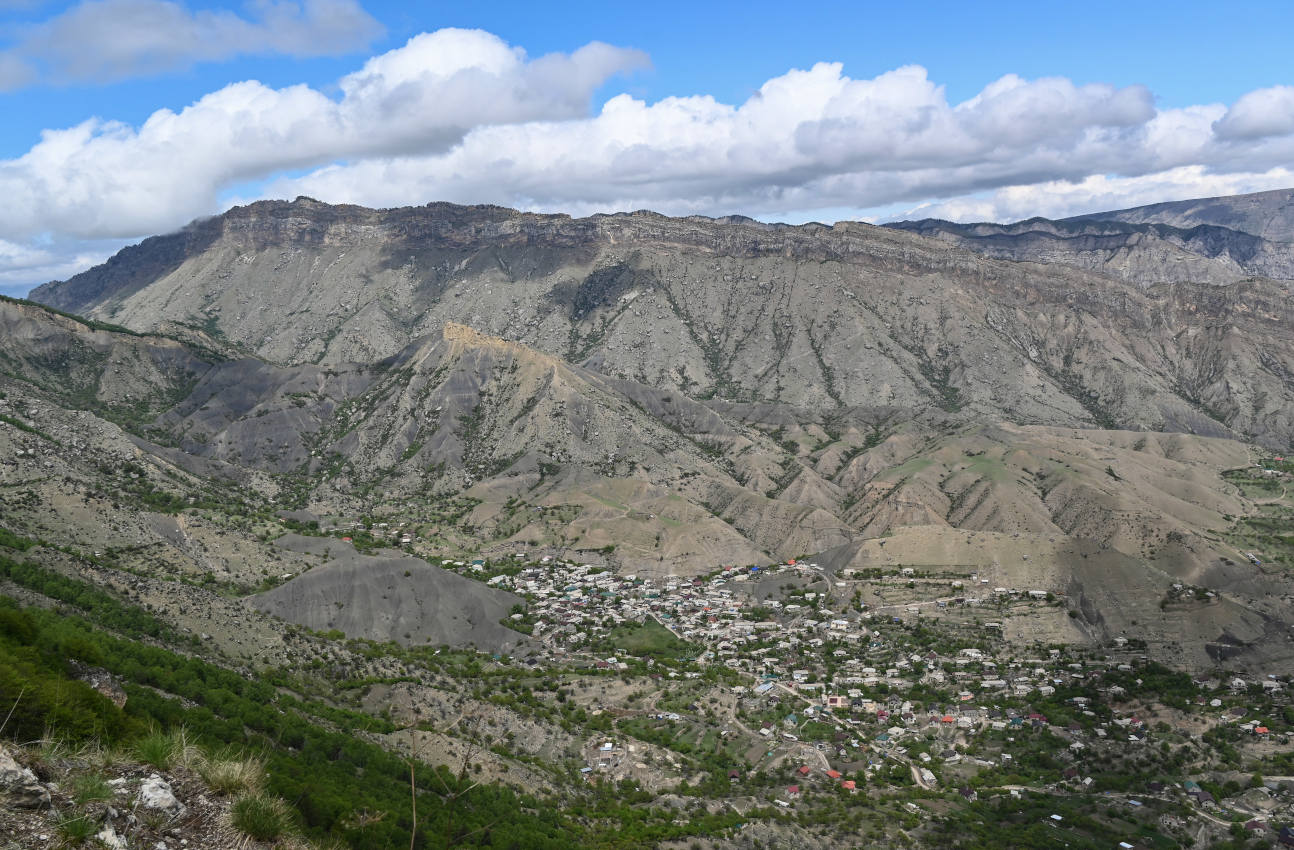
(828, 692)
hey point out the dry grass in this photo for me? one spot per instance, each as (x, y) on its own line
(232, 776)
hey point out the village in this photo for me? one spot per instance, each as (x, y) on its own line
(782, 679)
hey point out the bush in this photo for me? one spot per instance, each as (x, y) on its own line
(262, 817)
(40, 702)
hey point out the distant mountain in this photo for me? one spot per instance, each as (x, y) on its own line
(1146, 254)
(1267, 215)
(817, 318)
(1213, 240)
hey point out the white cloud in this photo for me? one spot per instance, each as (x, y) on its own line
(24, 264)
(1099, 192)
(106, 179)
(808, 140)
(461, 115)
(1259, 114)
(107, 40)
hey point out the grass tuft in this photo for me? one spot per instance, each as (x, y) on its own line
(53, 749)
(75, 830)
(164, 750)
(261, 817)
(232, 776)
(156, 749)
(91, 788)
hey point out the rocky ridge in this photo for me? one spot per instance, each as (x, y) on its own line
(667, 394)
(1268, 215)
(849, 316)
(1142, 253)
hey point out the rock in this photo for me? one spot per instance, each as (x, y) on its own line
(24, 791)
(29, 795)
(110, 839)
(11, 773)
(103, 682)
(155, 793)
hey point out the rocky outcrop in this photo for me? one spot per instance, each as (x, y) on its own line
(20, 785)
(102, 681)
(157, 794)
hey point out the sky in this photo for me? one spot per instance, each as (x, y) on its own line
(127, 118)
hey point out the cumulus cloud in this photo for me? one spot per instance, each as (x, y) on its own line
(809, 139)
(22, 264)
(107, 40)
(1099, 192)
(461, 115)
(107, 179)
(1259, 114)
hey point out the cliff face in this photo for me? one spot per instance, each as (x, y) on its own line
(1140, 253)
(1210, 240)
(814, 317)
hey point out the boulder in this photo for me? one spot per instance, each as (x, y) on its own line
(156, 793)
(29, 795)
(12, 773)
(110, 839)
(24, 791)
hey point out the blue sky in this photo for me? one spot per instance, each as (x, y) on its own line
(963, 110)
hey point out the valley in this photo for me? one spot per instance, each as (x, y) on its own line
(688, 532)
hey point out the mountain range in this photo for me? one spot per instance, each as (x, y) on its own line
(1053, 401)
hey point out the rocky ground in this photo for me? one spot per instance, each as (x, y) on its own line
(52, 796)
